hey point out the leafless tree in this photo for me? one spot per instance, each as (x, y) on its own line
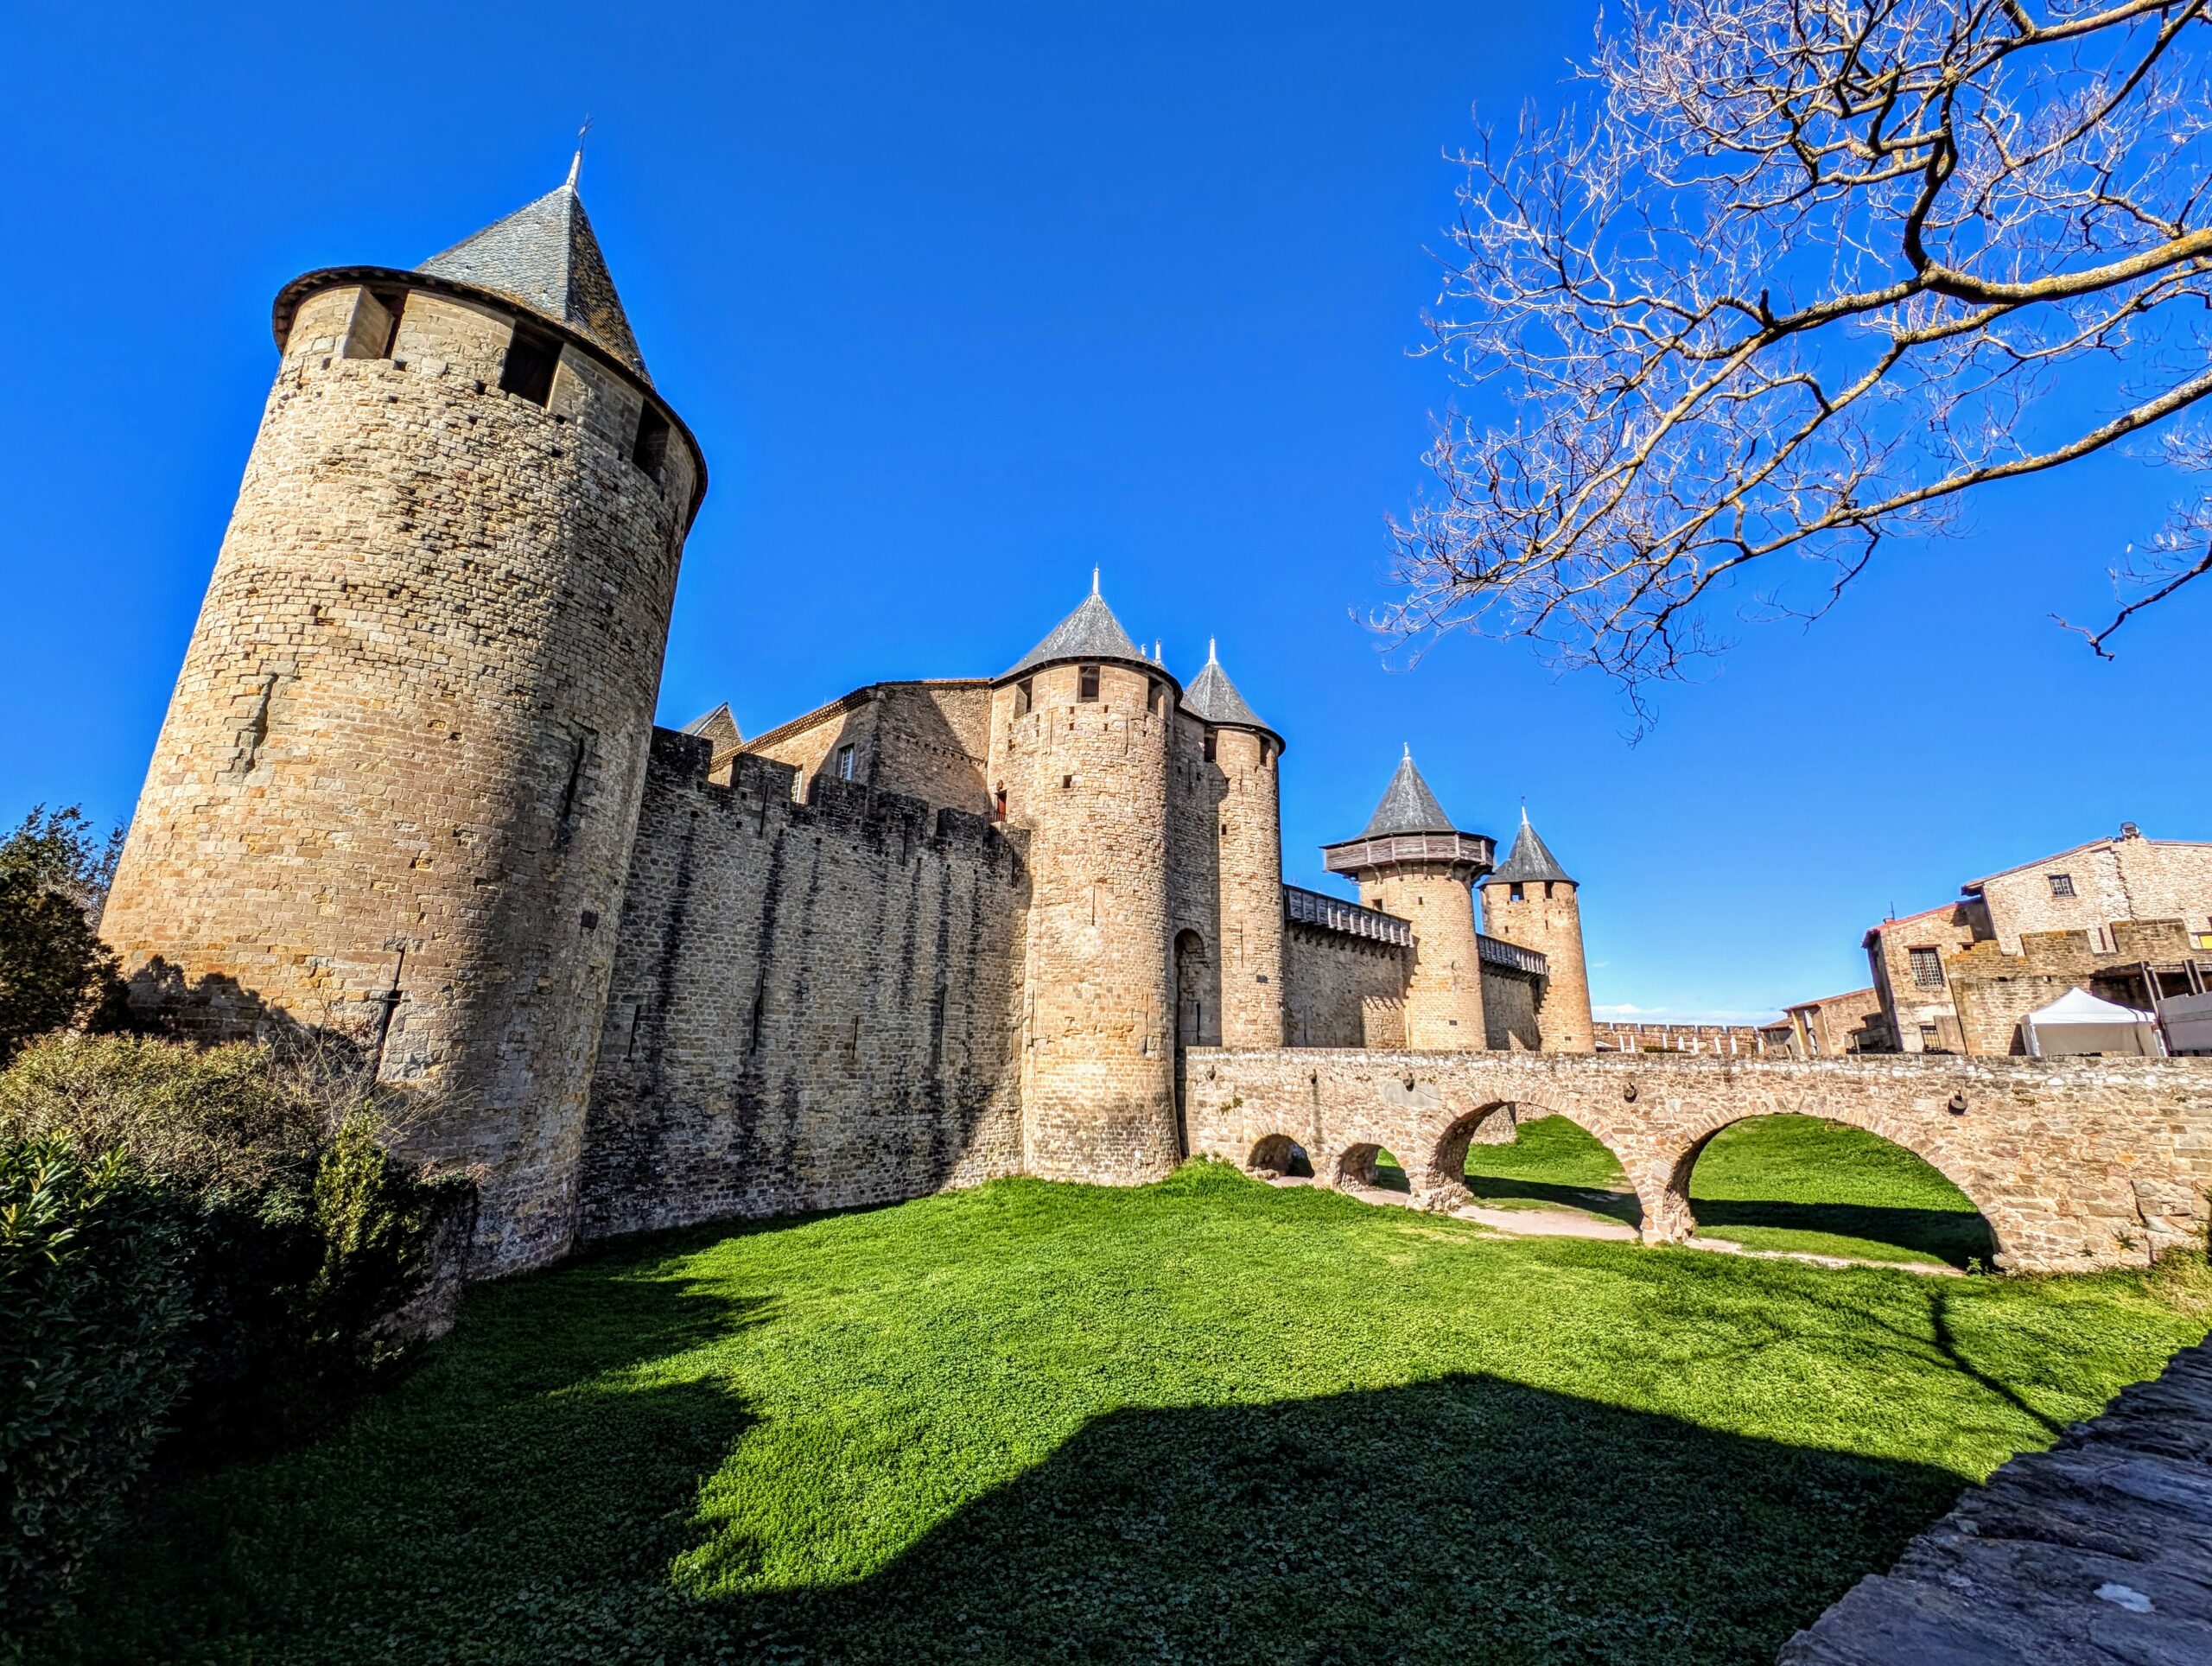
(1807, 273)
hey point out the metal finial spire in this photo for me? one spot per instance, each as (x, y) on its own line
(1524, 810)
(1094, 581)
(576, 162)
(1211, 658)
(1409, 752)
(1157, 657)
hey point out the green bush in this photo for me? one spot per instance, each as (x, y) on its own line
(232, 1230)
(92, 1303)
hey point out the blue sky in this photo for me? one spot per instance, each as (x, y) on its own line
(963, 301)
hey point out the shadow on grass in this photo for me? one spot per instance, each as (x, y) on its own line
(1461, 1519)
(520, 1498)
(1953, 1236)
(1620, 1205)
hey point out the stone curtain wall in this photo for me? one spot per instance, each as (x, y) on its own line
(1510, 1009)
(400, 771)
(2077, 1164)
(1341, 991)
(813, 1006)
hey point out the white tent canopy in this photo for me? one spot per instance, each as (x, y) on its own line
(2078, 1022)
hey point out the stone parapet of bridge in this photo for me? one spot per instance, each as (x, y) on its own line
(2077, 1164)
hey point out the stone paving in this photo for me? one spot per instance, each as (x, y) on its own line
(2096, 1553)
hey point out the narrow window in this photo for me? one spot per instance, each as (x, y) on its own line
(1513, 892)
(1927, 967)
(1086, 682)
(2061, 885)
(1154, 693)
(1267, 754)
(1209, 746)
(527, 373)
(649, 451)
(1021, 698)
(845, 763)
(1929, 1036)
(1548, 890)
(999, 810)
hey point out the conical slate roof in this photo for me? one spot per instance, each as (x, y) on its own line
(1212, 698)
(1408, 806)
(1091, 631)
(1529, 860)
(543, 257)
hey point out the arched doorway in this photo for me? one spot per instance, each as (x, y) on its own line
(1809, 1185)
(1551, 1162)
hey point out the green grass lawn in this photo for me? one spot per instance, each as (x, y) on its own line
(1207, 1420)
(1771, 1183)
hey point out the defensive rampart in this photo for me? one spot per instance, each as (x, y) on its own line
(813, 1006)
(2076, 1164)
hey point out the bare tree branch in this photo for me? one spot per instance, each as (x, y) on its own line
(1808, 273)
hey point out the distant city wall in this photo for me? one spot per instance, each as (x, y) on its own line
(812, 1005)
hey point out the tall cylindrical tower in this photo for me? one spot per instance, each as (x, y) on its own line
(1529, 901)
(1412, 863)
(394, 796)
(1079, 751)
(1239, 755)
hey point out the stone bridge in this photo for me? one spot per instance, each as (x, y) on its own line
(2076, 1164)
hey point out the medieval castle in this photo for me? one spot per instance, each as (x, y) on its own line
(410, 791)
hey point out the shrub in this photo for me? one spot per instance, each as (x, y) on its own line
(53, 968)
(231, 1123)
(93, 1301)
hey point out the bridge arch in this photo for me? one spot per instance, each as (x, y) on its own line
(1676, 1219)
(1278, 1156)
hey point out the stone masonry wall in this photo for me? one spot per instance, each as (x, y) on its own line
(1992, 990)
(2128, 878)
(1509, 1009)
(400, 771)
(1197, 789)
(1547, 917)
(1341, 991)
(925, 739)
(813, 1006)
(1089, 780)
(2076, 1164)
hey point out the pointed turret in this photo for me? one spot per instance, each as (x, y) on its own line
(1529, 862)
(1411, 862)
(1091, 631)
(1212, 698)
(1408, 805)
(543, 257)
(1531, 900)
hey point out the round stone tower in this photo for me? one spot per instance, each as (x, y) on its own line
(394, 796)
(1237, 762)
(1412, 863)
(1081, 731)
(1529, 901)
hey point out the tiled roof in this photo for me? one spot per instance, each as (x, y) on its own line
(1408, 806)
(545, 258)
(1091, 631)
(1529, 860)
(1212, 698)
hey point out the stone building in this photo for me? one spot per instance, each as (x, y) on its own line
(409, 792)
(2128, 918)
(1836, 1025)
